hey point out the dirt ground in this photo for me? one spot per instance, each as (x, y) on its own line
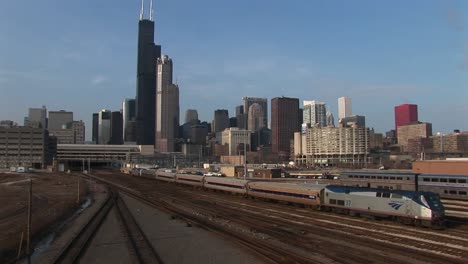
(54, 198)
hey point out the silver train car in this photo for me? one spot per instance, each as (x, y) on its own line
(308, 194)
(446, 186)
(226, 184)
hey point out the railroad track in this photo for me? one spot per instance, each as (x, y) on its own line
(370, 238)
(272, 220)
(139, 247)
(267, 251)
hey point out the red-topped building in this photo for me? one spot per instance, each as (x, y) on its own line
(405, 114)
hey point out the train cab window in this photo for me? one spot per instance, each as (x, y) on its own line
(340, 202)
(461, 181)
(461, 192)
(435, 180)
(452, 192)
(386, 195)
(397, 196)
(453, 180)
(332, 201)
(443, 180)
(378, 194)
(426, 179)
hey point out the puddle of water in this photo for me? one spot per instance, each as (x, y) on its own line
(47, 241)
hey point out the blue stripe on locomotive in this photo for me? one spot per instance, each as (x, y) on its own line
(415, 196)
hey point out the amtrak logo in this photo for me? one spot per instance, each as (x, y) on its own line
(395, 205)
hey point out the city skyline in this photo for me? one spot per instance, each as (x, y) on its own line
(218, 78)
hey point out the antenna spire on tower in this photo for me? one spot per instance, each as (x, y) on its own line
(151, 11)
(142, 10)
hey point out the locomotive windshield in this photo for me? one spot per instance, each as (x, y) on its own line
(433, 201)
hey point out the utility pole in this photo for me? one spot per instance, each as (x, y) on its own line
(28, 229)
(245, 160)
(78, 191)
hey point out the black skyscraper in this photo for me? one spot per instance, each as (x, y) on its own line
(148, 53)
(116, 137)
(96, 128)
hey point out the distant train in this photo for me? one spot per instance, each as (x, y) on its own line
(446, 186)
(409, 207)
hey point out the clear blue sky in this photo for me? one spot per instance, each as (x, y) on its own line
(81, 55)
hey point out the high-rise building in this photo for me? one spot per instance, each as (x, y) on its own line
(405, 114)
(241, 117)
(198, 134)
(95, 136)
(8, 124)
(256, 117)
(220, 121)
(344, 107)
(330, 119)
(26, 146)
(60, 120)
(167, 107)
(60, 125)
(263, 102)
(116, 128)
(284, 122)
(191, 115)
(148, 53)
(37, 118)
(128, 118)
(353, 119)
(104, 130)
(412, 131)
(332, 146)
(234, 137)
(315, 114)
(78, 128)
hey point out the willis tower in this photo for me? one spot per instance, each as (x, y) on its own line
(145, 104)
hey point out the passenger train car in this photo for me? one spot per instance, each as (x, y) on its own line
(308, 194)
(445, 185)
(226, 184)
(419, 208)
(381, 180)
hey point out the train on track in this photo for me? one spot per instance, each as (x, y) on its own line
(409, 207)
(445, 185)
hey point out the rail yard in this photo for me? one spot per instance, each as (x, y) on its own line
(258, 230)
(53, 198)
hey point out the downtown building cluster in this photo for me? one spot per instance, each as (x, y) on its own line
(34, 144)
(305, 133)
(152, 117)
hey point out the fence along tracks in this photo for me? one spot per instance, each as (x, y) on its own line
(139, 246)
